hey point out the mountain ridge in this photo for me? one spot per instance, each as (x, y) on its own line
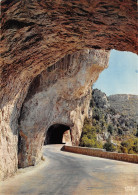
(125, 104)
(108, 128)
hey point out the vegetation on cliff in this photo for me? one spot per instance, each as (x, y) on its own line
(89, 136)
(109, 129)
(125, 104)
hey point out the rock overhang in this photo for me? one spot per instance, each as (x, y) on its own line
(32, 30)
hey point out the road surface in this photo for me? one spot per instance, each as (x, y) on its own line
(64, 173)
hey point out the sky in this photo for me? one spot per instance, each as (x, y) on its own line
(121, 77)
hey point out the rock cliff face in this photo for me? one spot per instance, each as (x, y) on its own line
(59, 95)
(125, 104)
(35, 36)
(100, 99)
(108, 120)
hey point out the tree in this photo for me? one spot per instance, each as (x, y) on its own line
(110, 129)
(109, 146)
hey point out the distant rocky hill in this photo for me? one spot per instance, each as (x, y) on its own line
(125, 104)
(113, 111)
(112, 125)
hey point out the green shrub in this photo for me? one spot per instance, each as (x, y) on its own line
(98, 144)
(86, 142)
(135, 147)
(126, 144)
(124, 149)
(89, 138)
(120, 131)
(119, 150)
(131, 146)
(110, 129)
(109, 147)
(131, 151)
(97, 114)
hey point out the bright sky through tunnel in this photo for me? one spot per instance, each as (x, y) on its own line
(121, 77)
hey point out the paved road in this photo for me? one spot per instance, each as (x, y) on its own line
(64, 173)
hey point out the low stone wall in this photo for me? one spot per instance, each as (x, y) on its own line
(102, 153)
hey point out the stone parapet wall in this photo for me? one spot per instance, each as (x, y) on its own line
(102, 153)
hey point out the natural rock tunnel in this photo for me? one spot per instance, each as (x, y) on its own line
(37, 37)
(58, 96)
(58, 134)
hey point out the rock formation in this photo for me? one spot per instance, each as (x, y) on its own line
(111, 115)
(35, 36)
(125, 104)
(100, 99)
(107, 121)
(59, 95)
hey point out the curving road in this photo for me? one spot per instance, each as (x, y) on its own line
(64, 173)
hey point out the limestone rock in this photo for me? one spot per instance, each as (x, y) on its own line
(59, 95)
(100, 99)
(36, 34)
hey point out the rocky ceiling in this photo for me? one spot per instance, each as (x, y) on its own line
(41, 32)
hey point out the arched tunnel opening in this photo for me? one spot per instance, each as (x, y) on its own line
(58, 134)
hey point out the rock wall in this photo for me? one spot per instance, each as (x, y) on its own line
(37, 34)
(67, 137)
(133, 158)
(59, 95)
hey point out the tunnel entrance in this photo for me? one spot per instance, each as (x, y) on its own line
(58, 134)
